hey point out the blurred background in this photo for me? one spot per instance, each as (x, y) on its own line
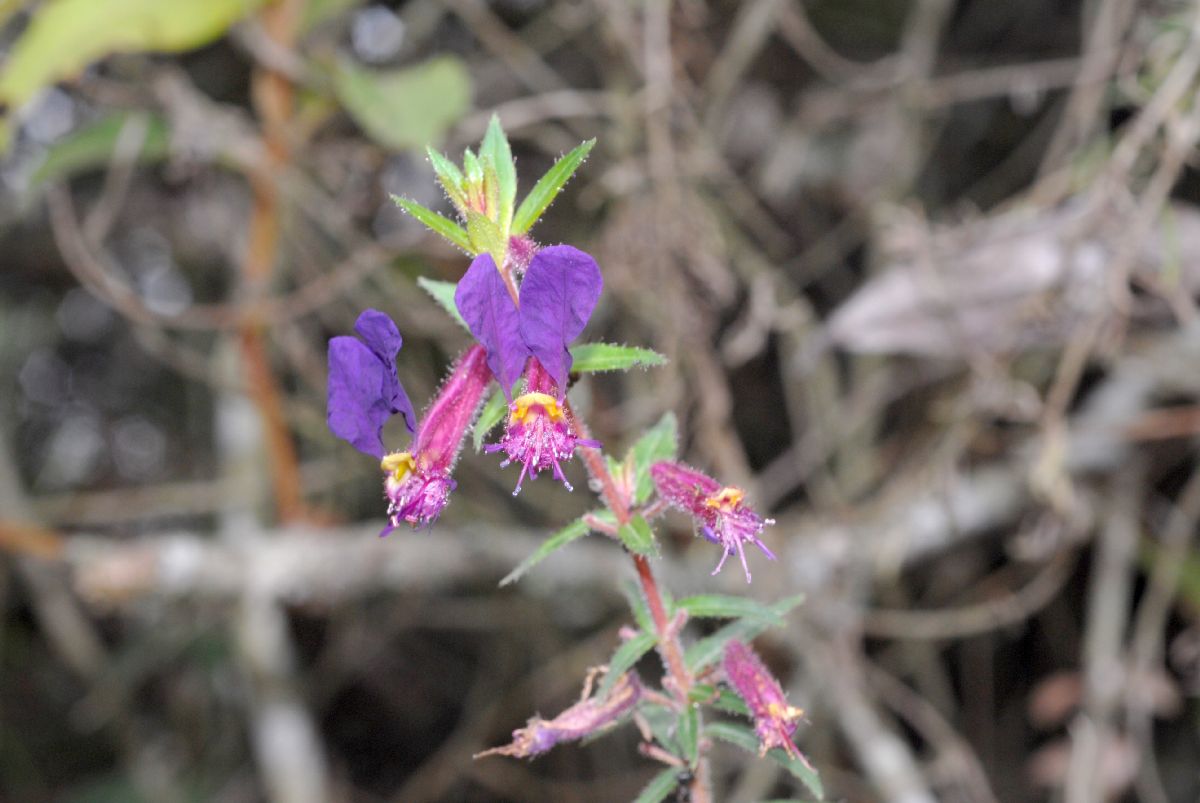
(926, 272)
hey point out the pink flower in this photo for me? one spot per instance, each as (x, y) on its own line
(774, 720)
(582, 719)
(418, 483)
(538, 434)
(719, 510)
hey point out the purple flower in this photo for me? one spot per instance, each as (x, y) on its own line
(718, 510)
(560, 289)
(418, 483)
(364, 391)
(774, 720)
(538, 434)
(582, 719)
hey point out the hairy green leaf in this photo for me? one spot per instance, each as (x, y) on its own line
(661, 787)
(486, 236)
(449, 176)
(548, 187)
(723, 606)
(707, 651)
(440, 224)
(443, 294)
(637, 536)
(405, 108)
(625, 657)
(660, 442)
(497, 150)
(595, 357)
(743, 737)
(687, 731)
(574, 530)
(637, 604)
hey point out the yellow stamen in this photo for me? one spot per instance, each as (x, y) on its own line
(784, 712)
(725, 498)
(398, 464)
(522, 405)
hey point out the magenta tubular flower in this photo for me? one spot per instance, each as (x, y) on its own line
(364, 391)
(582, 719)
(538, 434)
(774, 720)
(558, 294)
(719, 511)
(418, 482)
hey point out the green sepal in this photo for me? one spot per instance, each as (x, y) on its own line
(637, 536)
(548, 187)
(595, 357)
(743, 737)
(443, 294)
(485, 236)
(439, 224)
(450, 177)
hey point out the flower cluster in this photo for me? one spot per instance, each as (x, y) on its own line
(719, 510)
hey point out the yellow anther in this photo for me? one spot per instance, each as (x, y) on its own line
(784, 712)
(523, 404)
(725, 498)
(398, 464)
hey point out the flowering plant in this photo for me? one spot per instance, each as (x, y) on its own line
(525, 305)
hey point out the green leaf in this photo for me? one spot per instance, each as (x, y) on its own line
(485, 236)
(594, 357)
(723, 606)
(318, 11)
(743, 737)
(548, 187)
(443, 294)
(574, 530)
(440, 224)
(624, 659)
(637, 604)
(64, 36)
(660, 442)
(687, 731)
(661, 787)
(92, 146)
(719, 698)
(496, 149)
(406, 108)
(707, 651)
(491, 415)
(662, 722)
(449, 176)
(637, 536)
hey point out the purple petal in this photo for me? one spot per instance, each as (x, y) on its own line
(484, 303)
(357, 407)
(383, 338)
(559, 292)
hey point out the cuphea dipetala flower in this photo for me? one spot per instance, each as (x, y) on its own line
(720, 511)
(582, 719)
(557, 296)
(774, 720)
(364, 392)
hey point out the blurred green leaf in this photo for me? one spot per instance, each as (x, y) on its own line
(91, 147)
(65, 36)
(440, 224)
(595, 357)
(493, 411)
(496, 149)
(548, 187)
(660, 787)
(707, 651)
(443, 294)
(722, 606)
(637, 536)
(637, 604)
(741, 736)
(660, 442)
(449, 176)
(406, 108)
(625, 657)
(318, 11)
(687, 731)
(662, 722)
(574, 530)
